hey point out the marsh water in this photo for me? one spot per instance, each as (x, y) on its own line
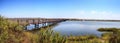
(82, 27)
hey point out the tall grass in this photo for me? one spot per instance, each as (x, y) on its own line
(11, 32)
(113, 34)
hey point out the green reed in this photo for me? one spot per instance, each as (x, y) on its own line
(12, 32)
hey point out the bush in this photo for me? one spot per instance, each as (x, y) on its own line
(9, 31)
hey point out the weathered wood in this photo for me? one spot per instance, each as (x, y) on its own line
(26, 21)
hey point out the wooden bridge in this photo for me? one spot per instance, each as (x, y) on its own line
(45, 21)
(24, 21)
(36, 21)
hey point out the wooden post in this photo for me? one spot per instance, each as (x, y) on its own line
(36, 26)
(18, 21)
(26, 27)
(27, 22)
(38, 21)
(33, 21)
(43, 22)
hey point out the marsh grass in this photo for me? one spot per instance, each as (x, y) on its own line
(12, 32)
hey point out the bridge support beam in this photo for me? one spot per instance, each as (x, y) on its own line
(18, 21)
(26, 26)
(36, 26)
(44, 24)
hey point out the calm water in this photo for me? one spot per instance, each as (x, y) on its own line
(82, 27)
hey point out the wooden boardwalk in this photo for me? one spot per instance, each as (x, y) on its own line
(36, 21)
(44, 21)
(51, 20)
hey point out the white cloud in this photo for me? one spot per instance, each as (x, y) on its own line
(82, 12)
(105, 12)
(100, 12)
(93, 12)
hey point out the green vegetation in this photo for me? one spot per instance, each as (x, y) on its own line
(84, 39)
(12, 32)
(111, 34)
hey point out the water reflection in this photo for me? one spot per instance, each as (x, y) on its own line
(83, 27)
(80, 27)
(32, 26)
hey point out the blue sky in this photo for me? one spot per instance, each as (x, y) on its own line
(87, 9)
